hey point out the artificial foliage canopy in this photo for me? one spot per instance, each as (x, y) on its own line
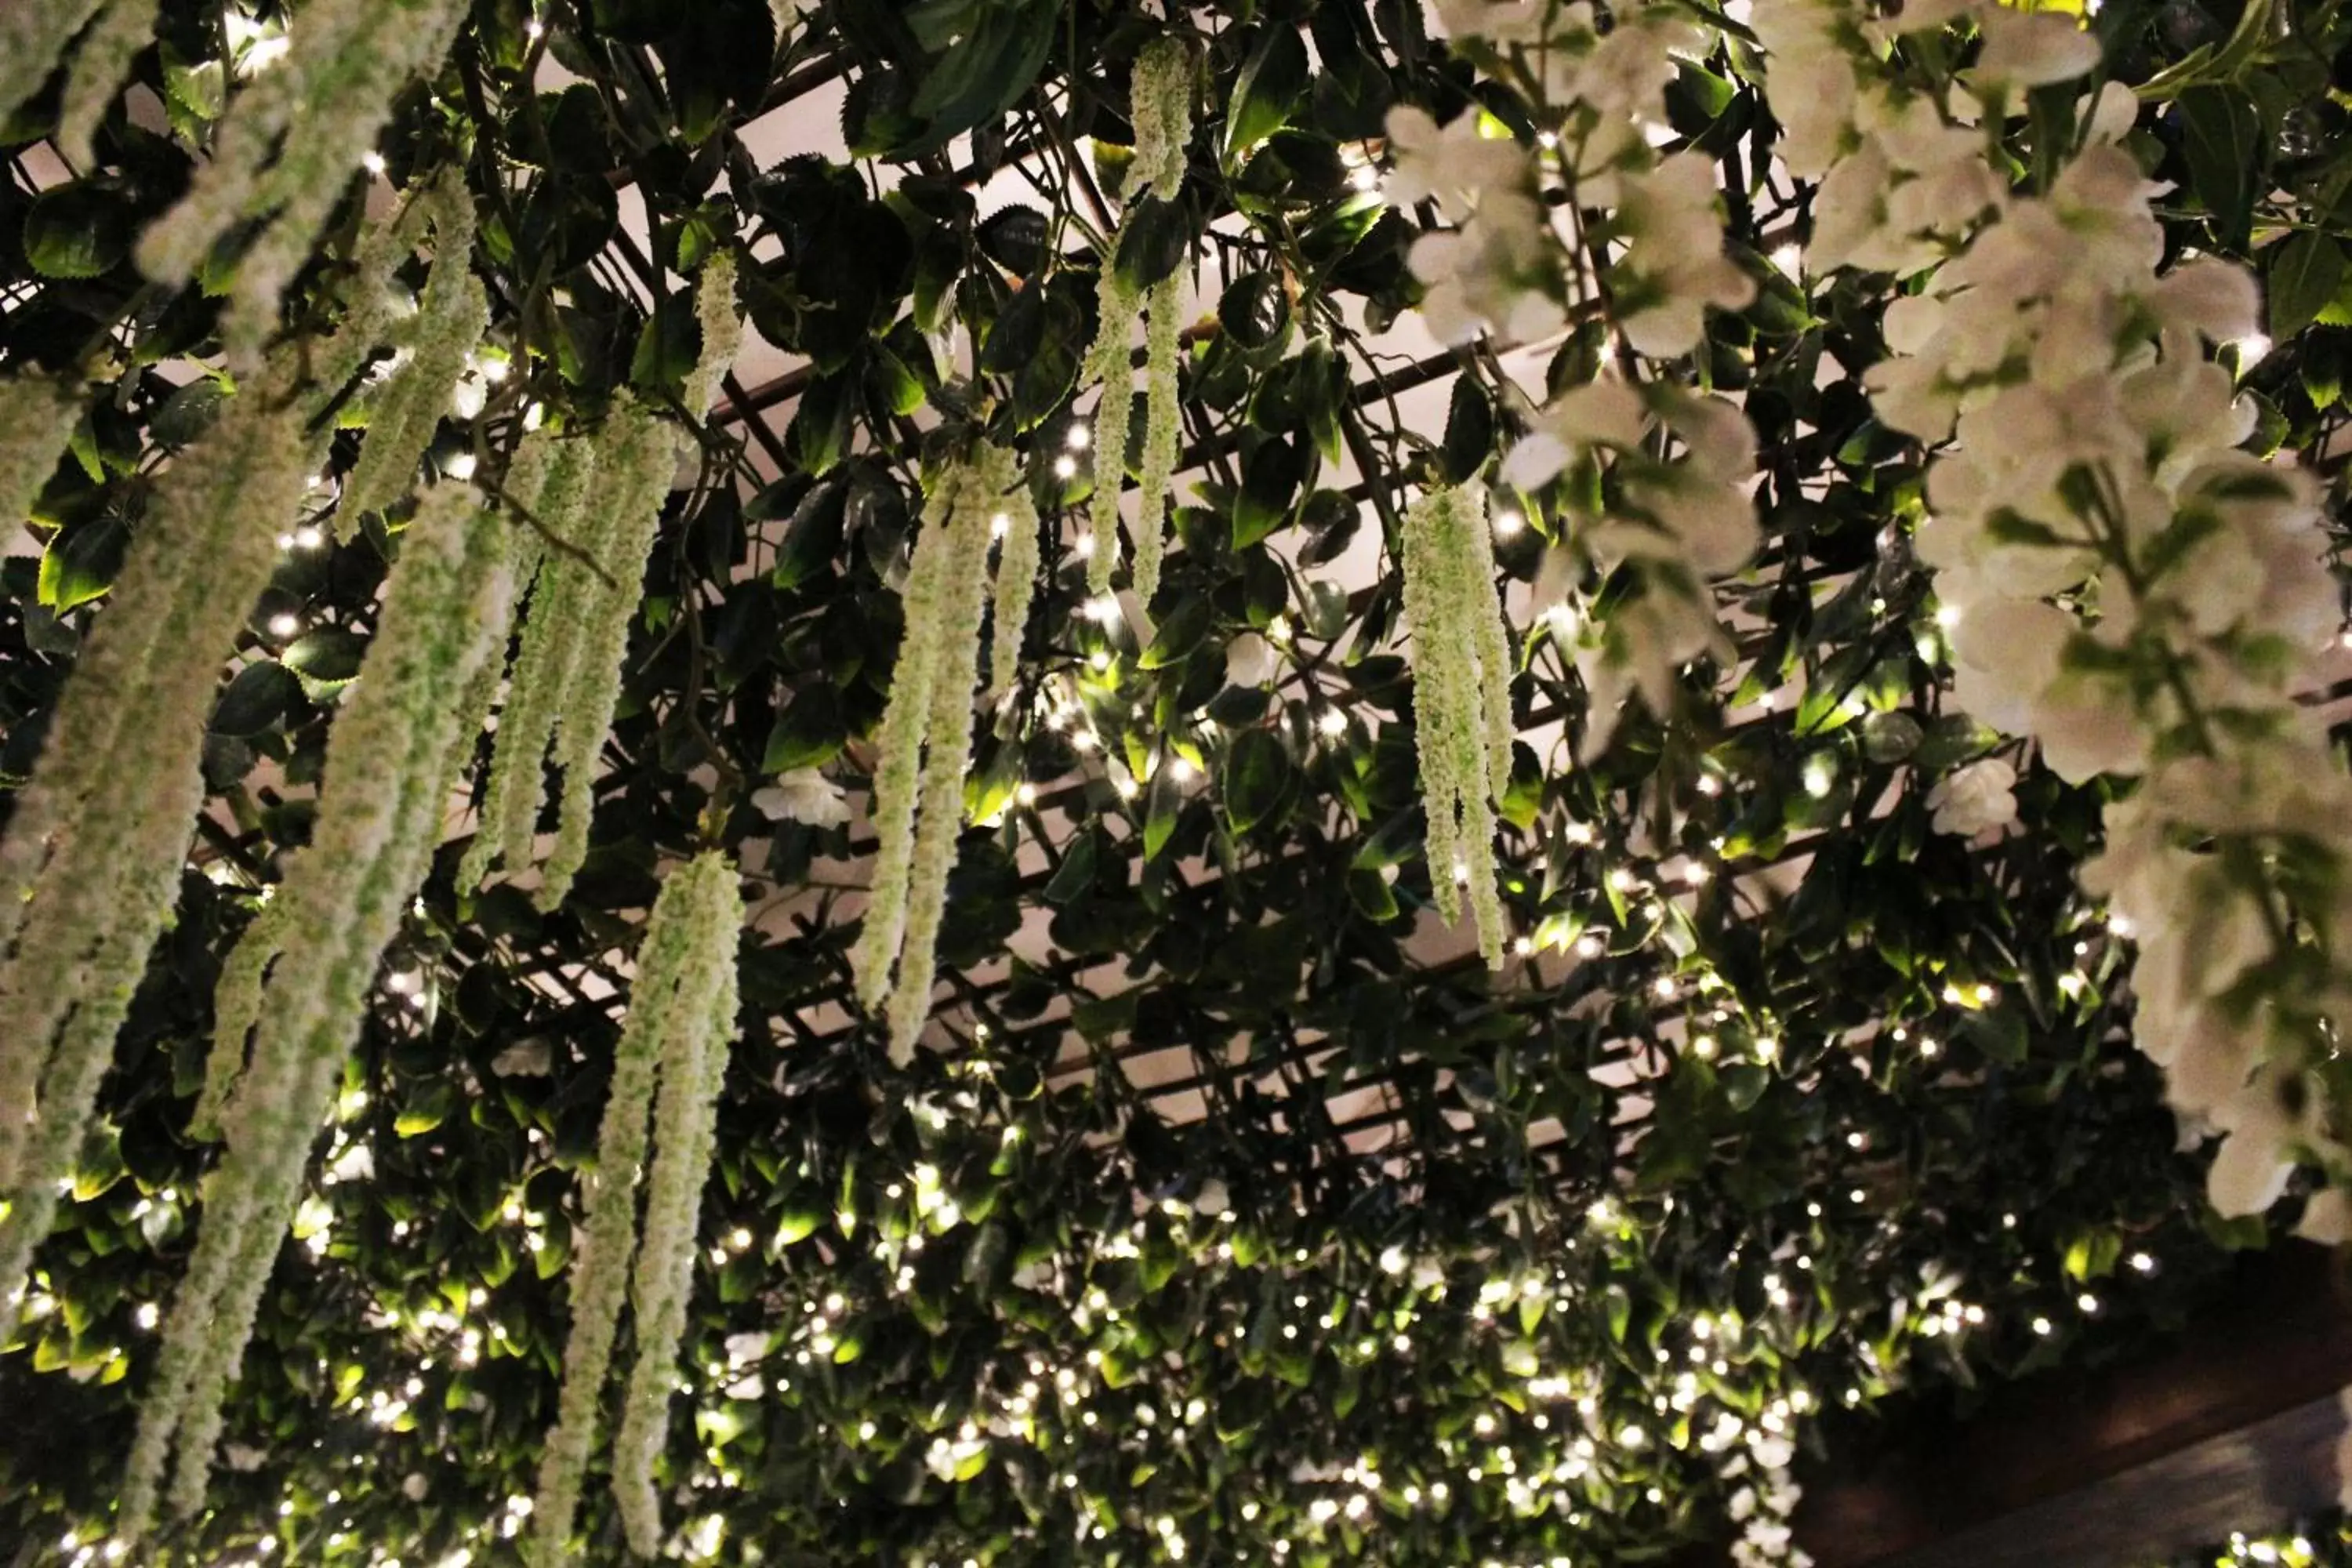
(1428, 779)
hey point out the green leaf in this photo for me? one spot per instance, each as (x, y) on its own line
(668, 346)
(1254, 312)
(254, 701)
(2222, 142)
(77, 230)
(1178, 634)
(1258, 775)
(1469, 432)
(1015, 239)
(80, 561)
(1270, 477)
(808, 733)
(426, 1112)
(1268, 88)
(1154, 240)
(2303, 274)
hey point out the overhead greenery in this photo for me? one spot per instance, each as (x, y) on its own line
(1799, 1068)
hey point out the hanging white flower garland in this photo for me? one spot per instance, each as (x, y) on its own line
(285, 150)
(2120, 582)
(566, 682)
(1461, 702)
(391, 757)
(925, 742)
(670, 1063)
(90, 868)
(451, 320)
(1162, 116)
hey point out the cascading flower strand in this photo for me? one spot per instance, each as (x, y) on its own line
(1162, 115)
(290, 145)
(122, 28)
(392, 756)
(32, 37)
(566, 681)
(722, 332)
(1015, 524)
(38, 415)
(1461, 702)
(670, 1062)
(685, 1122)
(924, 743)
(451, 318)
(90, 868)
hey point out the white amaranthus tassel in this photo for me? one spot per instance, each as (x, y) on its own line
(1162, 110)
(1015, 523)
(1462, 699)
(722, 332)
(123, 29)
(926, 741)
(32, 37)
(90, 868)
(566, 681)
(391, 759)
(450, 321)
(37, 415)
(287, 148)
(671, 1061)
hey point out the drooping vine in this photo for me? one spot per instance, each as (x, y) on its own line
(669, 1066)
(451, 318)
(90, 868)
(121, 30)
(1162, 115)
(925, 742)
(1461, 702)
(31, 39)
(37, 413)
(290, 143)
(391, 757)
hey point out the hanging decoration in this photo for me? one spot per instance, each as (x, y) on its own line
(31, 39)
(38, 415)
(670, 1063)
(433, 349)
(289, 145)
(392, 758)
(567, 673)
(121, 30)
(2120, 582)
(1461, 702)
(90, 868)
(924, 743)
(1162, 117)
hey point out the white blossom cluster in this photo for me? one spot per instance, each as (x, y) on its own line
(1518, 264)
(2120, 583)
(1462, 700)
(1679, 520)
(1765, 1503)
(566, 681)
(90, 868)
(1163, 114)
(666, 1071)
(392, 753)
(925, 742)
(433, 348)
(286, 149)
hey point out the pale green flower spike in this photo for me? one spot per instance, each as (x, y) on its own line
(639, 458)
(451, 319)
(1161, 431)
(925, 742)
(37, 415)
(552, 476)
(1462, 700)
(722, 332)
(90, 868)
(670, 1063)
(1014, 522)
(1162, 115)
(289, 145)
(32, 36)
(391, 757)
(237, 1008)
(115, 40)
(566, 681)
